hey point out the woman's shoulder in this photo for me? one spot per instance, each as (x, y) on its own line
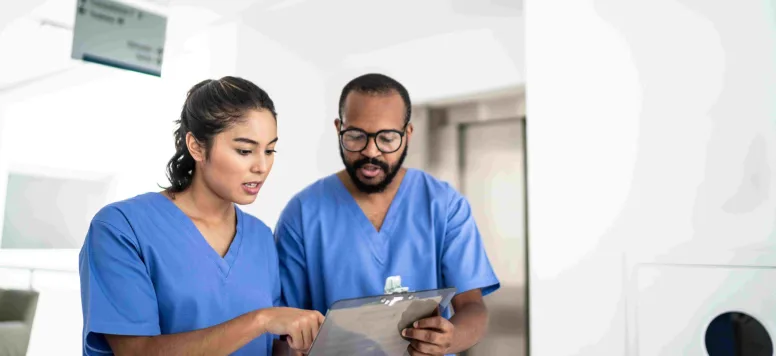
(257, 235)
(251, 223)
(122, 212)
(119, 220)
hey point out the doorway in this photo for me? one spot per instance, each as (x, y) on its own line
(492, 177)
(477, 144)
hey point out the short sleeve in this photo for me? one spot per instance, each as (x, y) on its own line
(117, 294)
(275, 270)
(465, 263)
(291, 255)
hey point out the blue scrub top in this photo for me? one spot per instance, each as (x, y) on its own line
(146, 270)
(329, 250)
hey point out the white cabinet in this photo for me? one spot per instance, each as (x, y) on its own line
(673, 305)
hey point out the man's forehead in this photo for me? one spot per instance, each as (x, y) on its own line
(373, 123)
(359, 101)
(369, 108)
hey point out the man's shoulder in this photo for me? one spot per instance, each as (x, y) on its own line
(317, 191)
(435, 187)
(316, 194)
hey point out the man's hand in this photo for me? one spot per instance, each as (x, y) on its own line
(430, 336)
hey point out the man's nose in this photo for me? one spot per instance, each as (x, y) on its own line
(371, 149)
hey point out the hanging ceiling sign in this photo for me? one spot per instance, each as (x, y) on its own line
(119, 35)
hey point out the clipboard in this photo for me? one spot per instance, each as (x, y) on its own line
(372, 325)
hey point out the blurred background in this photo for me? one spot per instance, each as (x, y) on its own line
(640, 162)
(76, 135)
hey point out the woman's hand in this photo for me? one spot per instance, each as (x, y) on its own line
(300, 326)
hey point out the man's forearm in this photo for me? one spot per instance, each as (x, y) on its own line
(221, 339)
(471, 323)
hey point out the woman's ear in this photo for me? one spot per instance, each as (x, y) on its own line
(196, 149)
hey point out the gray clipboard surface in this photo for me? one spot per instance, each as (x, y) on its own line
(372, 325)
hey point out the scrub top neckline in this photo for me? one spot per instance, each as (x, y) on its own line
(225, 263)
(378, 239)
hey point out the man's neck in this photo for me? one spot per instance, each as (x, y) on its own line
(384, 197)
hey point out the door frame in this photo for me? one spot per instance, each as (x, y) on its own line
(461, 128)
(453, 116)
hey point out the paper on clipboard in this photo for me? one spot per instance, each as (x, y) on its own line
(373, 325)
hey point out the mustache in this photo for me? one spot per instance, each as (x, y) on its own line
(373, 161)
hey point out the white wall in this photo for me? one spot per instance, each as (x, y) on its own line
(447, 65)
(44, 212)
(651, 132)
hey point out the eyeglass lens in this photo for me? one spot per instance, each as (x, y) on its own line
(387, 141)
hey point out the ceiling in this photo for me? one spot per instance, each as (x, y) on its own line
(329, 33)
(326, 33)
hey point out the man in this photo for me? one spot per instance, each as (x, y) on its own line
(345, 234)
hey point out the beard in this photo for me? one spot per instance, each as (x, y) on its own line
(373, 187)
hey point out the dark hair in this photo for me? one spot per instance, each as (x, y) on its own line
(211, 107)
(375, 83)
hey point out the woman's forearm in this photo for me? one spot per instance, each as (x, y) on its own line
(221, 339)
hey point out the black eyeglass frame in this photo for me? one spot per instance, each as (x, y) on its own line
(373, 136)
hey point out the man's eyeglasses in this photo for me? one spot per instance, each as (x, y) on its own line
(356, 140)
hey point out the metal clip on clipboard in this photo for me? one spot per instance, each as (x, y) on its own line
(393, 285)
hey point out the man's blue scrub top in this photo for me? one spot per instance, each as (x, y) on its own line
(329, 250)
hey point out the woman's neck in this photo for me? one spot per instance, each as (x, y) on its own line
(200, 203)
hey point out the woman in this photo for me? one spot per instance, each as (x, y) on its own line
(185, 271)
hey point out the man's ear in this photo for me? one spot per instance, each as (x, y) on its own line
(196, 149)
(337, 124)
(409, 130)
